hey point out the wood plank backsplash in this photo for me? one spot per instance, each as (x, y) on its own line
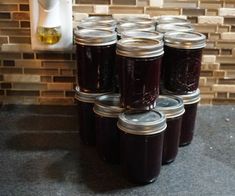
(29, 77)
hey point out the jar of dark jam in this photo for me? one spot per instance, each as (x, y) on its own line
(138, 63)
(163, 28)
(133, 26)
(171, 20)
(173, 108)
(142, 34)
(107, 108)
(141, 144)
(190, 100)
(182, 61)
(95, 59)
(86, 116)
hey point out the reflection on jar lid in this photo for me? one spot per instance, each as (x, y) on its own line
(95, 25)
(95, 37)
(143, 122)
(163, 28)
(139, 47)
(142, 34)
(108, 105)
(185, 40)
(171, 19)
(86, 97)
(171, 106)
(101, 19)
(134, 26)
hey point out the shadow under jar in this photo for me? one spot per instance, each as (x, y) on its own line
(173, 108)
(138, 63)
(107, 108)
(86, 116)
(182, 61)
(190, 100)
(95, 59)
(141, 144)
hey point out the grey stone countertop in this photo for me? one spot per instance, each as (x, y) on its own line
(41, 154)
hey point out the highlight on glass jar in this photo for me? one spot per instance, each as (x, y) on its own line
(163, 28)
(107, 108)
(142, 34)
(173, 108)
(141, 144)
(133, 26)
(191, 101)
(138, 63)
(182, 61)
(95, 52)
(86, 117)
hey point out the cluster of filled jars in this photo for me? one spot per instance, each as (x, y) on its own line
(137, 90)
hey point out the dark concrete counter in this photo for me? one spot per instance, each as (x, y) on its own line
(40, 154)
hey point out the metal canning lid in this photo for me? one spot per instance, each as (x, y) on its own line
(139, 47)
(86, 97)
(163, 28)
(142, 34)
(143, 122)
(171, 106)
(95, 37)
(95, 25)
(171, 19)
(191, 97)
(101, 19)
(108, 105)
(185, 40)
(134, 26)
(136, 19)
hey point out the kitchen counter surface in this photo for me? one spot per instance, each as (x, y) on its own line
(40, 154)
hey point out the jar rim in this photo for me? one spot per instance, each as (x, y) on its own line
(171, 106)
(108, 105)
(142, 34)
(185, 40)
(163, 28)
(131, 25)
(171, 19)
(150, 122)
(139, 47)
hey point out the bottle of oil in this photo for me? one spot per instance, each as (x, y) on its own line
(49, 27)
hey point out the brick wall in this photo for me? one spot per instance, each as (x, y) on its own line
(28, 77)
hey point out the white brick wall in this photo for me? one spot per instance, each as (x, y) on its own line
(210, 19)
(226, 11)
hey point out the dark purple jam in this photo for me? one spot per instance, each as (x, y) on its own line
(95, 67)
(139, 81)
(171, 140)
(188, 124)
(107, 139)
(181, 69)
(141, 156)
(86, 122)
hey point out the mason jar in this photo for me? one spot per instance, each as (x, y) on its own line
(171, 20)
(86, 24)
(141, 144)
(182, 61)
(163, 28)
(107, 108)
(191, 101)
(173, 108)
(86, 117)
(95, 59)
(101, 19)
(137, 20)
(138, 63)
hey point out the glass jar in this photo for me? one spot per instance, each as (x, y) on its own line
(142, 34)
(137, 20)
(141, 144)
(95, 59)
(96, 25)
(173, 108)
(163, 28)
(101, 19)
(182, 61)
(107, 108)
(190, 100)
(86, 116)
(171, 20)
(138, 63)
(133, 26)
